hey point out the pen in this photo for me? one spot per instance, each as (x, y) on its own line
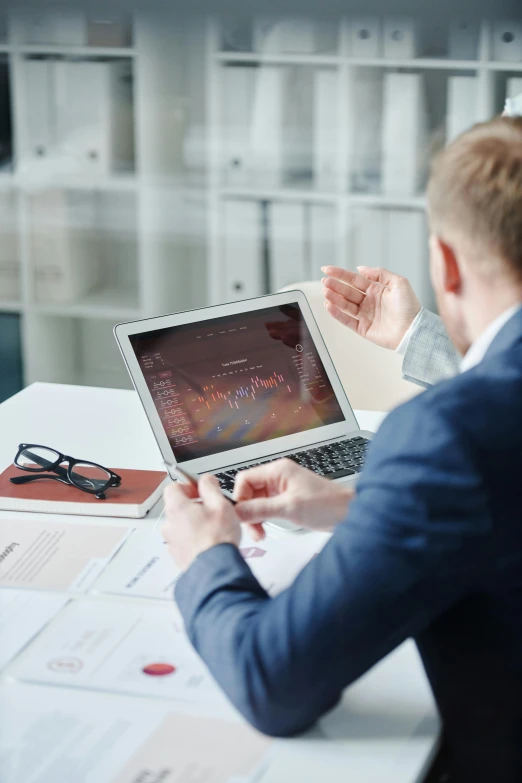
(183, 475)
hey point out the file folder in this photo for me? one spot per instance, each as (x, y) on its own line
(242, 244)
(325, 129)
(404, 134)
(462, 106)
(287, 245)
(238, 88)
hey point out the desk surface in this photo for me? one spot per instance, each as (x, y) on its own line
(385, 727)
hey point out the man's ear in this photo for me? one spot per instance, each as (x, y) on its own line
(449, 269)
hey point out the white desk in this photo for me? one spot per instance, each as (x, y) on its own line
(385, 728)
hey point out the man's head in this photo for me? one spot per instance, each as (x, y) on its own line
(475, 215)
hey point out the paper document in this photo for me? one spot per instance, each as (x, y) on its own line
(145, 568)
(53, 556)
(66, 736)
(122, 647)
(23, 614)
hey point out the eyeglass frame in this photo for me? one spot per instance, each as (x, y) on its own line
(63, 474)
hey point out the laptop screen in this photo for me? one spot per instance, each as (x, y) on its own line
(237, 380)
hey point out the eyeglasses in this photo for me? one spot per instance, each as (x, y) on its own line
(87, 476)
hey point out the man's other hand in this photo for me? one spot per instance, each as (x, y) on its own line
(194, 527)
(375, 303)
(285, 490)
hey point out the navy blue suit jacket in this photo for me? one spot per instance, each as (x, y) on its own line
(431, 549)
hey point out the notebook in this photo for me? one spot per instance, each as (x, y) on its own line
(139, 491)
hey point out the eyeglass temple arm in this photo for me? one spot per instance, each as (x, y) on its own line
(27, 479)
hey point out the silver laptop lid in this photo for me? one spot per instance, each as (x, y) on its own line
(236, 382)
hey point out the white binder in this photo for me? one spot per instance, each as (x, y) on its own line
(407, 251)
(507, 41)
(365, 36)
(267, 127)
(297, 125)
(400, 38)
(404, 135)
(37, 128)
(366, 128)
(368, 237)
(284, 36)
(64, 246)
(287, 244)
(242, 250)
(462, 108)
(95, 130)
(325, 129)
(463, 39)
(9, 252)
(238, 88)
(322, 239)
(514, 90)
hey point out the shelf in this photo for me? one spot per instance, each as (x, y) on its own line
(504, 66)
(112, 304)
(279, 194)
(279, 59)
(381, 200)
(7, 306)
(337, 60)
(50, 50)
(115, 182)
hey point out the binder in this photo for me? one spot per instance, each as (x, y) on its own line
(407, 251)
(242, 244)
(325, 129)
(9, 251)
(507, 41)
(297, 125)
(400, 38)
(266, 140)
(368, 238)
(94, 116)
(64, 250)
(463, 39)
(366, 123)
(462, 105)
(11, 380)
(514, 90)
(238, 88)
(404, 134)
(288, 36)
(107, 29)
(365, 36)
(65, 27)
(37, 130)
(321, 240)
(287, 245)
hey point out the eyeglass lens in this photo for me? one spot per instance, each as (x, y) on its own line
(89, 476)
(37, 458)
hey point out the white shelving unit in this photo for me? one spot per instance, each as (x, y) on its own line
(345, 201)
(147, 263)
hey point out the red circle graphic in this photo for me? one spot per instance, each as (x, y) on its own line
(159, 669)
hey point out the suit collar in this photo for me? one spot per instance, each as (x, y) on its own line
(509, 335)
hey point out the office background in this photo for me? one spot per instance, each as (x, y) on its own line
(152, 161)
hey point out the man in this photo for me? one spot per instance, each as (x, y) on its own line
(431, 546)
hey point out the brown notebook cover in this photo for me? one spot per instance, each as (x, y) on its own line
(136, 495)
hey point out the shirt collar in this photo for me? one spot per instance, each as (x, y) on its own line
(479, 348)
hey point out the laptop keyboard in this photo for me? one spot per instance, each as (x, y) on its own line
(333, 460)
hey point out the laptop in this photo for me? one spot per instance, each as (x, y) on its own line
(236, 385)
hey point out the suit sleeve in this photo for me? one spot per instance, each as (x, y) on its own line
(413, 543)
(430, 356)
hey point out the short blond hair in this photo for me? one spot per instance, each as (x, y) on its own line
(475, 190)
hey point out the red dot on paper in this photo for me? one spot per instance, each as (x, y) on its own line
(159, 669)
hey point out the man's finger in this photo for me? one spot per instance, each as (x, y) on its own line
(256, 531)
(353, 279)
(346, 291)
(250, 482)
(210, 492)
(378, 275)
(342, 317)
(261, 509)
(177, 494)
(341, 302)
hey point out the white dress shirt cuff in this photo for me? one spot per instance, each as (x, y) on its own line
(404, 343)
